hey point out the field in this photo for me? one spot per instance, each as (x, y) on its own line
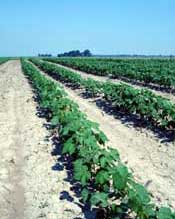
(87, 138)
(156, 71)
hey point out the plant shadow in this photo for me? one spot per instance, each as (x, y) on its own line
(156, 87)
(128, 119)
(65, 161)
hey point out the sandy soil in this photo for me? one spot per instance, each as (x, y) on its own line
(151, 161)
(30, 186)
(103, 78)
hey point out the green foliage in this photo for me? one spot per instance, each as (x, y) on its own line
(81, 172)
(3, 60)
(165, 213)
(68, 147)
(156, 110)
(85, 194)
(120, 177)
(55, 120)
(139, 200)
(106, 158)
(99, 199)
(157, 71)
(103, 177)
(93, 87)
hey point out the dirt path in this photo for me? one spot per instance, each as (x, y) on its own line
(30, 186)
(103, 78)
(152, 162)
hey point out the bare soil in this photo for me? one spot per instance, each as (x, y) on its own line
(31, 185)
(85, 75)
(151, 161)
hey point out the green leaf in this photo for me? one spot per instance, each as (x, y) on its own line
(120, 177)
(107, 158)
(165, 213)
(68, 147)
(81, 172)
(139, 200)
(114, 154)
(99, 199)
(101, 137)
(102, 177)
(55, 120)
(85, 194)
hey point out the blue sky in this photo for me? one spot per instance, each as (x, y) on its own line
(29, 27)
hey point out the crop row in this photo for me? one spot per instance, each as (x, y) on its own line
(149, 107)
(156, 71)
(106, 183)
(2, 60)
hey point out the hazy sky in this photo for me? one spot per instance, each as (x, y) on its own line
(104, 26)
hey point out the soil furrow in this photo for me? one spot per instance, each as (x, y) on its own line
(31, 185)
(85, 75)
(151, 160)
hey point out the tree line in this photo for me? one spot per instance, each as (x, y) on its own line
(72, 53)
(76, 53)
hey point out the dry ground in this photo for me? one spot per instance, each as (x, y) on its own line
(103, 78)
(151, 161)
(29, 187)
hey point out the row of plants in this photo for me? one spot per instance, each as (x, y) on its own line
(106, 183)
(156, 71)
(3, 60)
(156, 110)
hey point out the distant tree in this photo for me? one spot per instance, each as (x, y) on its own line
(75, 53)
(86, 53)
(44, 55)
